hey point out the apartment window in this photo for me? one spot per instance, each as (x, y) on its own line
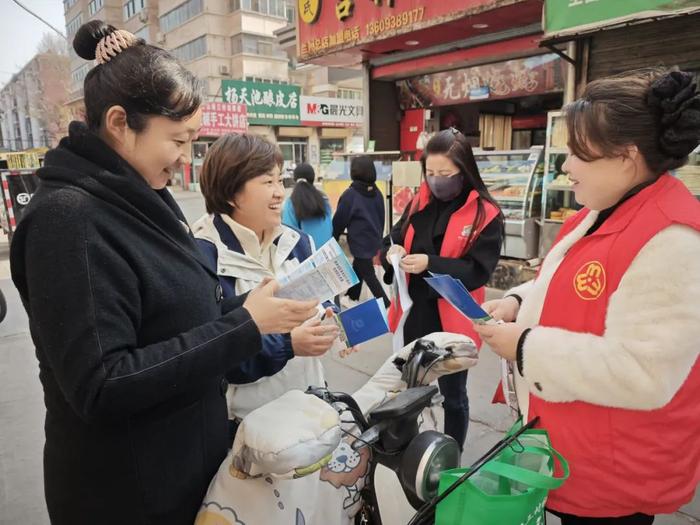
(67, 4)
(94, 6)
(179, 15)
(191, 50)
(349, 93)
(28, 128)
(143, 33)
(256, 45)
(131, 7)
(74, 24)
(15, 123)
(78, 75)
(265, 7)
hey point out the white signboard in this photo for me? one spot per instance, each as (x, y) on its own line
(334, 112)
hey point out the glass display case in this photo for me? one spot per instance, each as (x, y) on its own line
(558, 203)
(514, 180)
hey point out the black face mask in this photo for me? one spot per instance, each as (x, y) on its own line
(445, 188)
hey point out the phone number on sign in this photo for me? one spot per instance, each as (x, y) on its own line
(398, 21)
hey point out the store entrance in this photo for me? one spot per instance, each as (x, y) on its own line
(294, 151)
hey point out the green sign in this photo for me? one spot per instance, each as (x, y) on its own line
(562, 15)
(271, 104)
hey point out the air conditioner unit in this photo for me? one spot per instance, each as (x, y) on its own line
(143, 17)
(224, 71)
(160, 37)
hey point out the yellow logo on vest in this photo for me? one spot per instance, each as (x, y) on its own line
(309, 10)
(589, 281)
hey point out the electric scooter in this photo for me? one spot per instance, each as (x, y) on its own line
(391, 431)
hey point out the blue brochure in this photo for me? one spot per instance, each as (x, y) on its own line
(362, 322)
(455, 293)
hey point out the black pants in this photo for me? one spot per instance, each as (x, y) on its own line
(365, 271)
(456, 404)
(634, 519)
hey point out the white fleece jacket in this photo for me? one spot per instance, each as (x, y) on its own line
(652, 330)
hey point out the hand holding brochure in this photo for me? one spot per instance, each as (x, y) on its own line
(321, 277)
(361, 323)
(455, 293)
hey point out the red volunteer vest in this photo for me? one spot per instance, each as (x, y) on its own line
(622, 461)
(454, 245)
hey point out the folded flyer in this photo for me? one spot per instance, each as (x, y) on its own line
(455, 293)
(361, 323)
(321, 277)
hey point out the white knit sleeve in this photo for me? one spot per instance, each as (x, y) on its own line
(651, 339)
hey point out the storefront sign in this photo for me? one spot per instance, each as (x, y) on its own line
(569, 16)
(332, 112)
(269, 104)
(326, 26)
(513, 78)
(219, 118)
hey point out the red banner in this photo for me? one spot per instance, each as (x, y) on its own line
(511, 79)
(326, 26)
(220, 118)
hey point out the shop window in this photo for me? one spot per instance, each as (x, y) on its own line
(294, 152)
(328, 147)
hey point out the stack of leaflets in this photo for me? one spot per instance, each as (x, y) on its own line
(321, 277)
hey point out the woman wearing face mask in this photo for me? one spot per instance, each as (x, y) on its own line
(452, 227)
(606, 337)
(132, 334)
(245, 241)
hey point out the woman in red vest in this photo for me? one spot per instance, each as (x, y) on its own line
(452, 227)
(606, 337)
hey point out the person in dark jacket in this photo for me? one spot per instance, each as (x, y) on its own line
(132, 334)
(360, 211)
(454, 227)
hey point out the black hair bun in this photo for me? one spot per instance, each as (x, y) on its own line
(675, 97)
(88, 36)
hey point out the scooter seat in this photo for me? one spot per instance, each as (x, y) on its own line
(290, 437)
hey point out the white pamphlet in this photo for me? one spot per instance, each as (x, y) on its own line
(321, 277)
(404, 299)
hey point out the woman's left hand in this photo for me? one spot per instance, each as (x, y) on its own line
(415, 263)
(502, 338)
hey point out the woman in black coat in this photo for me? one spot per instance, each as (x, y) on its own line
(131, 332)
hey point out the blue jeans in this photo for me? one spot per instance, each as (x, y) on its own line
(456, 404)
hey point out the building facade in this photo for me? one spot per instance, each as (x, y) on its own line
(32, 104)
